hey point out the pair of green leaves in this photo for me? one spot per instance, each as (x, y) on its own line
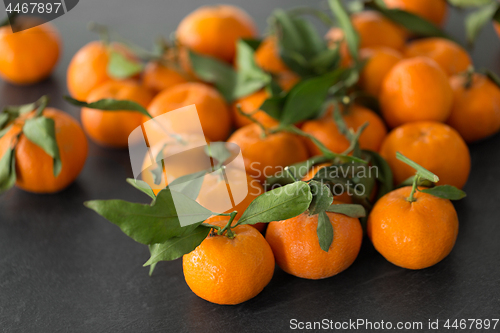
(232, 84)
(38, 129)
(158, 224)
(120, 67)
(305, 100)
(443, 191)
(322, 202)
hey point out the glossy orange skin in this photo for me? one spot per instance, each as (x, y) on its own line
(157, 77)
(380, 61)
(268, 58)
(112, 128)
(265, 156)
(476, 110)
(296, 248)
(88, 68)
(413, 235)
(434, 11)
(28, 56)
(326, 131)
(343, 198)
(214, 30)
(375, 30)
(229, 271)
(250, 105)
(212, 109)
(416, 89)
(435, 146)
(452, 58)
(34, 168)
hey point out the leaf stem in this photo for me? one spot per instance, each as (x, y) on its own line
(252, 119)
(411, 198)
(227, 228)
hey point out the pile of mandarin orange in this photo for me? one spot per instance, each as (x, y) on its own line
(431, 105)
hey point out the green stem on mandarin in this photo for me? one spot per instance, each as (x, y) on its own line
(252, 119)
(411, 198)
(469, 77)
(227, 228)
(208, 225)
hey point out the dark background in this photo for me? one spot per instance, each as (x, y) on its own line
(64, 268)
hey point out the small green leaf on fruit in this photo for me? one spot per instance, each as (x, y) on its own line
(351, 210)
(421, 171)
(109, 104)
(176, 247)
(7, 170)
(279, 204)
(120, 67)
(41, 131)
(445, 192)
(324, 231)
(322, 197)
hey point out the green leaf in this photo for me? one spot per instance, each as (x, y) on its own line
(411, 22)
(305, 99)
(351, 35)
(176, 247)
(4, 119)
(109, 104)
(325, 231)
(41, 131)
(422, 182)
(214, 71)
(298, 42)
(421, 171)
(250, 77)
(325, 60)
(6, 22)
(42, 104)
(152, 266)
(356, 211)
(273, 106)
(469, 3)
(5, 130)
(322, 197)
(142, 186)
(189, 185)
(385, 177)
(279, 204)
(475, 21)
(7, 170)
(445, 192)
(120, 67)
(155, 223)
